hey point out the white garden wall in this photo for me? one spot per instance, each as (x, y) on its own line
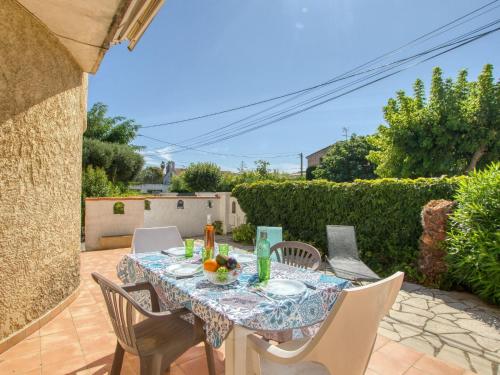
(187, 212)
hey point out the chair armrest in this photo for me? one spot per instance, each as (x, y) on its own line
(144, 285)
(165, 314)
(274, 353)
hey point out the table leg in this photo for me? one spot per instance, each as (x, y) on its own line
(236, 350)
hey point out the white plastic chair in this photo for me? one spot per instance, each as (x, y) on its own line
(344, 343)
(146, 240)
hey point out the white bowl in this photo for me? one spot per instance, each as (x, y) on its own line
(232, 276)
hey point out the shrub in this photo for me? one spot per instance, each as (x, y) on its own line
(245, 233)
(385, 213)
(474, 235)
(202, 177)
(218, 227)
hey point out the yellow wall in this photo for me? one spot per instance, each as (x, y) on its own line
(42, 117)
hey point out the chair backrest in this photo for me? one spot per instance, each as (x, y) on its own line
(353, 322)
(122, 309)
(342, 241)
(297, 254)
(155, 239)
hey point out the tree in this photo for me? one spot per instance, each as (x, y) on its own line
(150, 175)
(95, 183)
(346, 161)
(121, 162)
(109, 129)
(453, 132)
(202, 177)
(261, 167)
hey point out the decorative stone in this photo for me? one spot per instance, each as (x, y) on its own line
(453, 355)
(417, 302)
(412, 319)
(431, 259)
(439, 328)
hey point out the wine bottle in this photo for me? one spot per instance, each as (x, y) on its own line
(209, 234)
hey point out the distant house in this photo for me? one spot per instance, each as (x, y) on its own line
(315, 158)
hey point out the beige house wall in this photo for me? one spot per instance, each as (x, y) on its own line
(42, 118)
(100, 221)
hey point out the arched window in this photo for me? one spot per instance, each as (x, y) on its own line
(209, 203)
(119, 208)
(147, 205)
(233, 207)
(180, 204)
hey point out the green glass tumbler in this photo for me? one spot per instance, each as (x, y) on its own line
(206, 253)
(224, 249)
(189, 246)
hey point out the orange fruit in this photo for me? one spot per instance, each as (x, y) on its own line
(211, 265)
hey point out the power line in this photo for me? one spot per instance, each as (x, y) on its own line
(214, 134)
(421, 38)
(457, 42)
(219, 153)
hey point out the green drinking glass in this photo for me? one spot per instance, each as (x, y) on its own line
(224, 249)
(189, 246)
(206, 253)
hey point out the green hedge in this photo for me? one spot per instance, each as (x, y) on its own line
(385, 212)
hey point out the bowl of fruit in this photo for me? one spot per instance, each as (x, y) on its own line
(222, 270)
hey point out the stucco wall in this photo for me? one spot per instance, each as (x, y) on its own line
(42, 117)
(101, 221)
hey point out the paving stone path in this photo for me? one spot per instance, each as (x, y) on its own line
(455, 327)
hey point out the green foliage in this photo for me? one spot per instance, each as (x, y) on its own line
(122, 163)
(178, 185)
(109, 129)
(119, 208)
(310, 173)
(474, 234)
(150, 175)
(262, 168)
(385, 213)
(245, 233)
(345, 161)
(218, 227)
(202, 177)
(95, 183)
(451, 133)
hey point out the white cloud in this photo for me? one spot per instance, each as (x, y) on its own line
(154, 157)
(305, 10)
(299, 25)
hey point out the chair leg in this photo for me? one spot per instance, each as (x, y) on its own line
(151, 365)
(210, 358)
(117, 360)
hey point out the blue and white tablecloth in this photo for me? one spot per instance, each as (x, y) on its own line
(222, 306)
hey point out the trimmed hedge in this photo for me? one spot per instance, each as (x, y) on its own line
(385, 213)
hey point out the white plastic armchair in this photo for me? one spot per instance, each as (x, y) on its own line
(344, 343)
(155, 239)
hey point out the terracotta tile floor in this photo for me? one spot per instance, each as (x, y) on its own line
(80, 340)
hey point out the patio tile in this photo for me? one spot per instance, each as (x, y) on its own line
(84, 310)
(58, 324)
(416, 371)
(20, 365)
(436, 367)
(65, 366)
(71, 350)
(393, 359)
(25, 348)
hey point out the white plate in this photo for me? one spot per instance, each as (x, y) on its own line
(284, 287)
(243, 258)
(176, 251)
(183, 269)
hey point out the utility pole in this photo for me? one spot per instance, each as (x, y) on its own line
(345, 130)
(301, 164)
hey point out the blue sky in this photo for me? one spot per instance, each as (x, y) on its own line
(201, 56)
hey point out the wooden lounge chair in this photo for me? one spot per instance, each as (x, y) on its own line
(344, 343)
(297, 254)
(343, 255)
(159, 339)
(146, 240)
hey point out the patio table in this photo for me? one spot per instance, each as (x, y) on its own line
(232, 312)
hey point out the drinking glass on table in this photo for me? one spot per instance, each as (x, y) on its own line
(206, 253)
(189, 246)
(224, 249)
